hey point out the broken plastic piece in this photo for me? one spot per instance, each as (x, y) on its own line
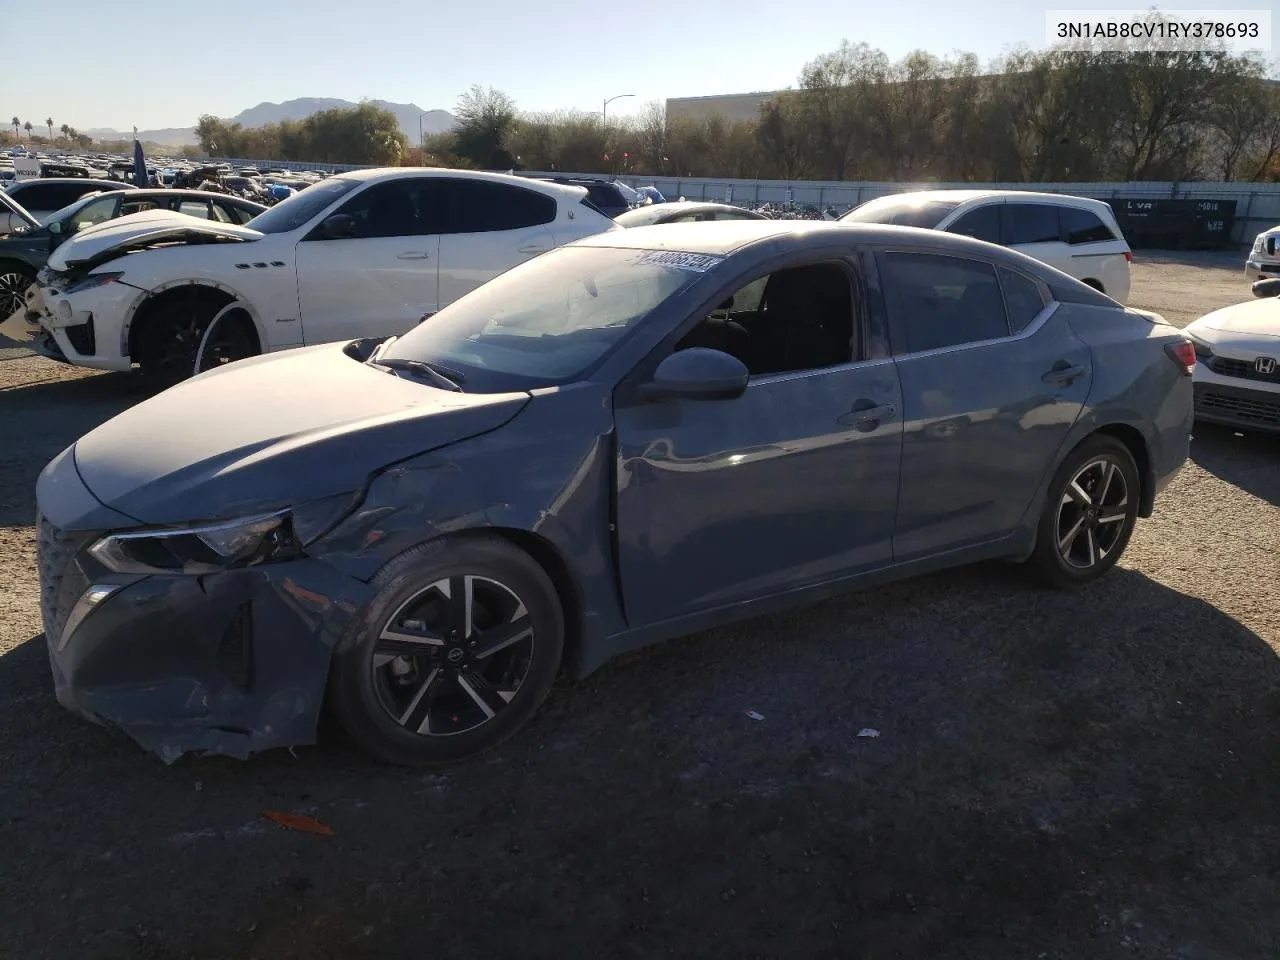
(755, 716)
(868, 732)
(299, 822)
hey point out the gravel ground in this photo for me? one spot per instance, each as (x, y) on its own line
(1055, 776)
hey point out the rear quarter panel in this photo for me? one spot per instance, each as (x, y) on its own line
(1135, 384)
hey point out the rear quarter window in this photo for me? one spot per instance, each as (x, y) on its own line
(1082, 226)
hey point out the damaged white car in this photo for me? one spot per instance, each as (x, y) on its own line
(368, 253)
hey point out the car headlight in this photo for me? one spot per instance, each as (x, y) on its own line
(228, 544)
(91, 281)
(199, 550)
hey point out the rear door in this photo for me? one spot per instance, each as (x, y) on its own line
(1097, 253)
(384, 279)
(486, 228)
(1033, 228)
(992, 380)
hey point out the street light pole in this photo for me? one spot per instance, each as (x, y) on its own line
(422, 140)
(604, 113)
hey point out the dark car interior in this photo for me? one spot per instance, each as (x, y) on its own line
(804, 320)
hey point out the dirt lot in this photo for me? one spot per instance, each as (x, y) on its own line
(1056, 776)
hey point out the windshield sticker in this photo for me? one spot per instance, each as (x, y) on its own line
(697, 262)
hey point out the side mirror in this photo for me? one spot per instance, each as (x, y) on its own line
(1270, 287)
(55, 227)
(340, 226)
(697, 374)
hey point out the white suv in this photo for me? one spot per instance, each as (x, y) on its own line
(364, 254)
(1077, 235)
(1264, 259)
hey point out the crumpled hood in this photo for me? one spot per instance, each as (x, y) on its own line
(150, 226)
(272, 431)
(1255, 318)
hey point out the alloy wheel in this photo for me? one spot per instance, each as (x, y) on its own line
(453, 656)
(13, 289)
(1092, 514)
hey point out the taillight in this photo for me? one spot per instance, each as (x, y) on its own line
(1183, 353)
(1128, 256)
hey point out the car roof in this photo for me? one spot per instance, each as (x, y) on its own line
(964, 196)
(114, 184)
(725, 237)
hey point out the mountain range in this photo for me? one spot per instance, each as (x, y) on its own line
(433, 121)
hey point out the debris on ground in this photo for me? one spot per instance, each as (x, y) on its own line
(868, 732)
(299, 822)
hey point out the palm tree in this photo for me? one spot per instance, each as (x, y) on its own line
(65, 131)
(17, 124)
(27, 127)
(48, 122)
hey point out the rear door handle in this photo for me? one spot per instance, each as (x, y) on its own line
(865, 416)
(1063, 373)
(535, 248)
(414, 255)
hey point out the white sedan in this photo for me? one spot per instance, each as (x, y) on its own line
(1237, 376)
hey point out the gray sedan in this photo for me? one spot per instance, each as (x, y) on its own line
(646, 433)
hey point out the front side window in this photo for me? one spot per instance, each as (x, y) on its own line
(981, 224)
(798, 318)
(195, 208)
(550, 319)
(302, 207)
(904, 212)
(397, 208)
(938, 301)
(481, 206)
(1030, 223)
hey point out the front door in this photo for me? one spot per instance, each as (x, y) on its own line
(380, 281)
(790, 484)
(992, 380)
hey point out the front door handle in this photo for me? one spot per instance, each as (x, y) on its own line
(535, 248)
(1062, 374)
(413, 255)
(868, 416)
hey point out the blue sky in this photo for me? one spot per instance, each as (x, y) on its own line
(177, 60)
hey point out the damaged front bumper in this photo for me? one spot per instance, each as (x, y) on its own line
(228, 663)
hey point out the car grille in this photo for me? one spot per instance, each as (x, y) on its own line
(1254, 408)
(1243, 369)
(61, 581)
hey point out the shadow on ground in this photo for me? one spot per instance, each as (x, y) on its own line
(1248, 460)
(1082, 775)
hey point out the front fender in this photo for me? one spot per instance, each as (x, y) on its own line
(209, 283)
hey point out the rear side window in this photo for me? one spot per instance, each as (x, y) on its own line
(982, 223)
(1031, 223)
(1022, 298)
(1081, 226)
(477, 206)
(938, 301)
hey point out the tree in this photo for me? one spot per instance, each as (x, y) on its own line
(65, 131)
(48, 122)
(27, 127)
(16, 125)
(486, 118)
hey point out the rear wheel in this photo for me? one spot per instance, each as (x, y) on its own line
(457, 650)
(14, 280)
(1089, 515)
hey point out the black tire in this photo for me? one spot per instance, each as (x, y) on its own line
(420, 696)
(1106, 522)
(166, 345)
(15, 278)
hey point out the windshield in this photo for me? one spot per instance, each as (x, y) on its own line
(902, 212)
(548, 321)
(292, 213)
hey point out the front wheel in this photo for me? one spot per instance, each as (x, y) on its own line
(456, 651)
(170, 344)
(1089, 514)
(14, 280)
